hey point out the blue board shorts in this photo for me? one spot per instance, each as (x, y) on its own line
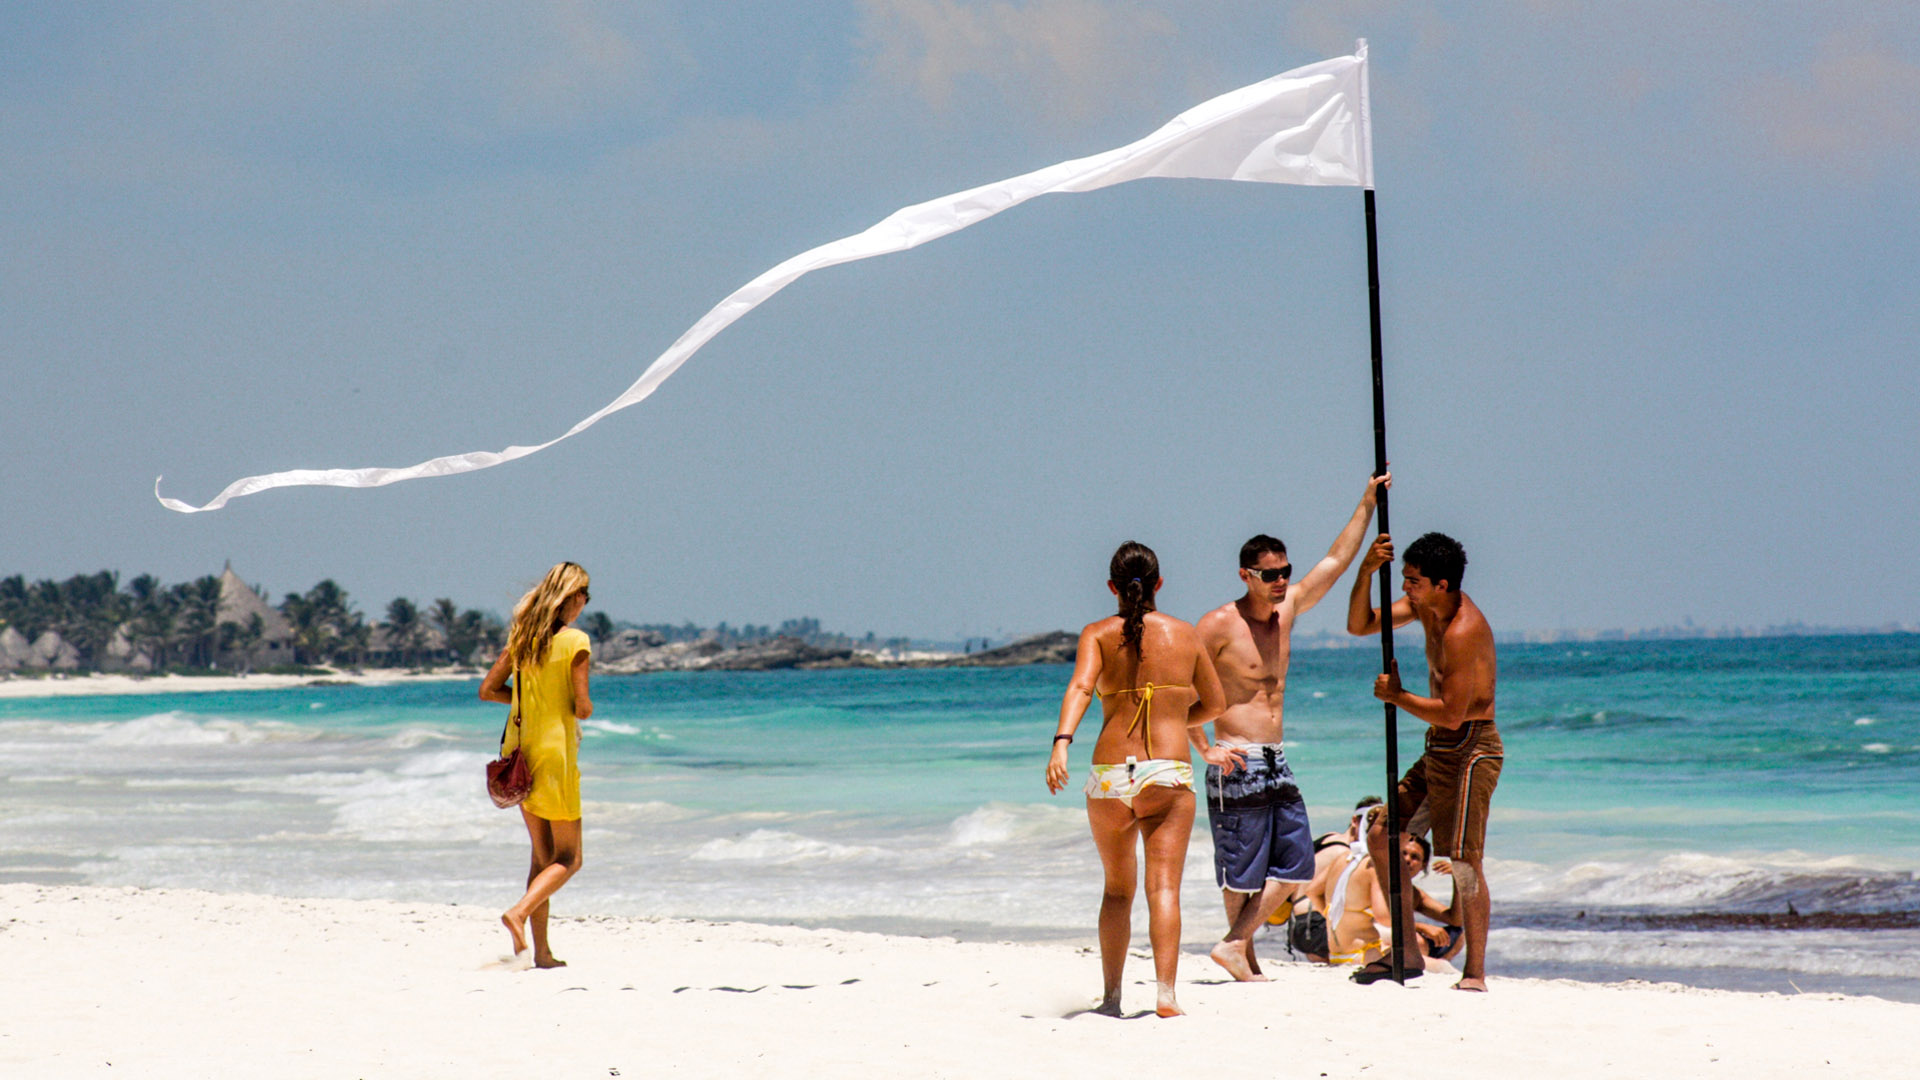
(1260, 830)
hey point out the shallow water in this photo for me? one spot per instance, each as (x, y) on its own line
(1643, 780)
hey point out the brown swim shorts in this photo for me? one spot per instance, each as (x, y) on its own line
(1450, 789)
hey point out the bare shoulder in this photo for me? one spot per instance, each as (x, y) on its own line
(1471, 620)
(1469, 627)
(1219, 624)
(1180, 629)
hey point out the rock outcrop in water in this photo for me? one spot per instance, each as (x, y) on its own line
(632, 652)
(775, 653)
(1055, 648)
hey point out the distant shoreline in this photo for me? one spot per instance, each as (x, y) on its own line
(1053, 648)
(95, 685)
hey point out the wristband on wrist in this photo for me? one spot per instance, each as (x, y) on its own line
(1057, 738)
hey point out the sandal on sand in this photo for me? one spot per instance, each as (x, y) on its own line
(1381, 971)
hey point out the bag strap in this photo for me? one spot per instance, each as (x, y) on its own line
(513, 713)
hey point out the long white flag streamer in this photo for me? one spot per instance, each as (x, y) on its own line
(1306, 126)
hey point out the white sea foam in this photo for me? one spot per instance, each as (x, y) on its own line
(623, 813)
(1877, 748)
(1882, 953)
(1001, 823)
(433, 797)
(174, 728)
(777, 848)
(1691, 880)
(414, 738)
(611, 727)
(1864, 721)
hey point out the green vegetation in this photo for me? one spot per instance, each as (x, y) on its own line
(218, 625)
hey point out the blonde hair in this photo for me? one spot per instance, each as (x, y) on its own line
(537, 616)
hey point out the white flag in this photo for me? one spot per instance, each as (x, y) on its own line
(1306, 126)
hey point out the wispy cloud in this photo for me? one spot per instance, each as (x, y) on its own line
(1059, 60)
(354, 87)
(1849, 111)
(579, 61)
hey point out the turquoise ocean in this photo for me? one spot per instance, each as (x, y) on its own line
(1663, 806)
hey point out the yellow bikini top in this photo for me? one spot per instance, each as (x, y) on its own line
(1141, 717)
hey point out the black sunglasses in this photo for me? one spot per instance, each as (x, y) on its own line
(586, 597)
(1270, 576)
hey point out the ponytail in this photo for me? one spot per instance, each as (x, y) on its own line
(1134, 571)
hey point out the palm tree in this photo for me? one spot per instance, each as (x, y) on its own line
(313, 633)
(153, 624)
(96, 610)
(325, 626)
(403, 628)
(13, 599)
(464, 639)
(350, 646)
(446, 619)
(199, 606)
(490, 634)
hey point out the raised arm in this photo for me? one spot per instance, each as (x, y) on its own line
(1362, 617)
(1073, 705)
(1320, 579)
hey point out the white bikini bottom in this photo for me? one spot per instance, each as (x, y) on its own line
(1125, 781)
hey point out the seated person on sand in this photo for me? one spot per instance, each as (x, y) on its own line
(1356, 903)
(1305, 915)
(1330, 849)
(1333, 852)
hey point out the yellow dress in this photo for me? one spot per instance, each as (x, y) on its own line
(548, 731)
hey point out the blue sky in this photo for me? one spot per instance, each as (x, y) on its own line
(1649, 274)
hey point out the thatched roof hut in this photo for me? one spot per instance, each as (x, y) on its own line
(54, 652)
(239, 603)
(15, 652)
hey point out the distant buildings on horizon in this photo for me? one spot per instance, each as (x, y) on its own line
(1328, 639)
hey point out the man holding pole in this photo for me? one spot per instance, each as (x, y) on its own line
(1450, 788)
(1262, 843)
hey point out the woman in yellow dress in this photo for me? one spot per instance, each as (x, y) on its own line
(547, 661)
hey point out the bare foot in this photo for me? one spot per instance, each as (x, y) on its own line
(1475, 984)
(548, 961)
(1253, 963)
(517, 927)
(1109, 1007)
(1234, 959)
(1166, 1006)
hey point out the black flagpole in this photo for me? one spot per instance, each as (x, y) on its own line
(1394, 884)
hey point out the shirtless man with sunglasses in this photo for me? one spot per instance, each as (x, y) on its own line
(1262, 844)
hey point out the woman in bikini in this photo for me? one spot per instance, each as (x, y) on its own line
(547, 660)
(1157, 687)
(1357, 904)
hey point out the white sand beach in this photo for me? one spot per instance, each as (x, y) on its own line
(176, 983)
(82, 685)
